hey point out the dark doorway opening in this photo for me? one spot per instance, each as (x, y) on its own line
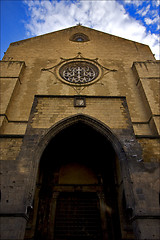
(77, 166)
(78, 216)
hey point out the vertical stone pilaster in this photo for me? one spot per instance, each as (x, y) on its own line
(53, 214)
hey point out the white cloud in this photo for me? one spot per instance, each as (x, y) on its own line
(107, 16)
(149, 21)
(137, 3)
(150, 16)
(156, 3)
(143, 11)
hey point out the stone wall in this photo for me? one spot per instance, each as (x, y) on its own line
(123, 105)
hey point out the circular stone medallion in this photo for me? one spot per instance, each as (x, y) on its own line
(79, 72)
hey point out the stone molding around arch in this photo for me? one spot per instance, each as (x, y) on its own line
(90, 121)
(36, 140)
(79, 37)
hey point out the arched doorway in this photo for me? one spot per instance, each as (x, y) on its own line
(76, 196)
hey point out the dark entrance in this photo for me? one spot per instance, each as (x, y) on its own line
(76, 195)
(78, 216)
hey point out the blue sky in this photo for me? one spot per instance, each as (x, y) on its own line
(137, 20)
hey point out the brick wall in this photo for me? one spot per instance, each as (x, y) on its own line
(50, 110)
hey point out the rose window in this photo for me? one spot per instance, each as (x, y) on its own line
(79, 72)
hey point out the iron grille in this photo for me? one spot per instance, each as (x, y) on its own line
(77, 217)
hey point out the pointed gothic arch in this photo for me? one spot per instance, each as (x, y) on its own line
(97, 126)
(102, 130)
(88, 120)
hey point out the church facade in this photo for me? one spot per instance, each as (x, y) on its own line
(79, 138)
